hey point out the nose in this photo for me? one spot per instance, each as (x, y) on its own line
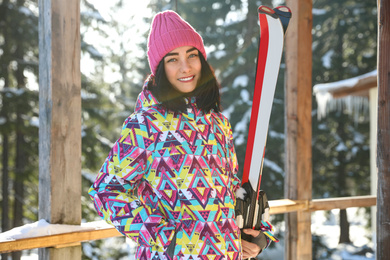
(185, 66)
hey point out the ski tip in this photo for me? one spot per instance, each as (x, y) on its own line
(284, 14)
(267, 10)
(283, 11)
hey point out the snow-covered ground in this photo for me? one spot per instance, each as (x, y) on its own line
(324, 225)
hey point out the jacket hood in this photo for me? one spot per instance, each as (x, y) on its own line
(145, 99)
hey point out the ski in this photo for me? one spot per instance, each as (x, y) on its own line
(252, 203)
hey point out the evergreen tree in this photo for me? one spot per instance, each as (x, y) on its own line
(19, 102)
(110, 86)
(19, 109)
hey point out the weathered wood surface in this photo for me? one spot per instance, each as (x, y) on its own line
(60, 117)
(342, 203)
(286, 205)
(383, 138)
(298, 182)
(58, 241)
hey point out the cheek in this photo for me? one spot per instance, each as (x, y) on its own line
(169, 72)
(198, 66)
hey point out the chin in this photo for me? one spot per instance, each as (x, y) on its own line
(188, 92)
(185, 90)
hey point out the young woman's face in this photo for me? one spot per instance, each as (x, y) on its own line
(182, 67)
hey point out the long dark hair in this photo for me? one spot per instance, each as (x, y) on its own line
(206, 93)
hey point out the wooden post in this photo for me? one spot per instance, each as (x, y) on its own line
(383, 145)
(59, 118)
(298, 182)
(373, 96)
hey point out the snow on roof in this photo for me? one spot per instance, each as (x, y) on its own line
(332, 96)
(346, 83)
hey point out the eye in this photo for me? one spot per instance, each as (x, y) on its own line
(171, 60)
(193, 55)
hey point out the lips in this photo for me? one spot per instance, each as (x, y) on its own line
(187, 79)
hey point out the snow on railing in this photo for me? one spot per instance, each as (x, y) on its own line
(42, 234)
(43, 228)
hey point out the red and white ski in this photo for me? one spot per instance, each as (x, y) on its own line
(273, 24)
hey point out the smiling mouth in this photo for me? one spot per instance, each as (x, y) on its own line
(186, 79)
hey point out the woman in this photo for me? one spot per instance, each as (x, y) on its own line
(169, 181)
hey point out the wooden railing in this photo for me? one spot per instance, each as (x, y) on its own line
(277, 207)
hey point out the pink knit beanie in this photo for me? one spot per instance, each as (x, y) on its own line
(169, 31)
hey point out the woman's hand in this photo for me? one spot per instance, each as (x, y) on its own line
(250, 249)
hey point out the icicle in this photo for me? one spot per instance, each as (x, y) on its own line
(322, 100)
(352, 105)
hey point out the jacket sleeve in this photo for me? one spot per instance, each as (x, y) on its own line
(268, 230)
(114, 188)
(233, 159)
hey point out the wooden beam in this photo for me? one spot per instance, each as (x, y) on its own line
(286, 205)
(373, 95)
(59, 118)
(59, 240)
(383, 139)
(360, 89)
(342, 203)
(298, 182)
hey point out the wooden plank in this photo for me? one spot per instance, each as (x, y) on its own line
(342, 203)
(57, 240)
(286, 205)
(373, 140)
(60, 117)
(70, 252)
(60, 112)
(304, 235)
(383, 140)
(360, 89)
(298, 183)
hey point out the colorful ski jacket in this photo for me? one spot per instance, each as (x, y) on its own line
(169, 183)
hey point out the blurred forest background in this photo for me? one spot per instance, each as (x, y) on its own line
(114, 66)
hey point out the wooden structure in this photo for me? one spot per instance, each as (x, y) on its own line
(383, 145)
(357, 86)
(298, 167)
(361, 87)
(59, 118)
(277, 207)
(60, 175)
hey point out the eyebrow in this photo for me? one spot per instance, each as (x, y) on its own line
(175, 53)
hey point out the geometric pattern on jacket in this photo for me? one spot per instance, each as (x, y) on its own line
(169, 183)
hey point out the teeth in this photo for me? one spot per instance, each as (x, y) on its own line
(186, 79)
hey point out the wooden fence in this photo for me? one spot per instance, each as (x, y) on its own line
(277, 207)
